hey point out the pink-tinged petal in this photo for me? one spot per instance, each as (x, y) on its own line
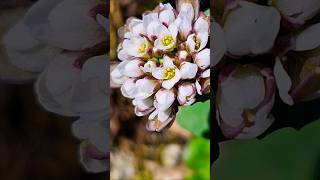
(183, 56)
(188, 70)
(31, 55)
(152, 30)
(92, 159)
(168, 84)
(44, 21)
(184, 25)
(167, 16)
(48, 101)
(255, 24)
(162, 121)
(128, 89)
(186, 93)
(164, 99)
(167, 61)
(191, 45)
(309, 39)
(148, 18)
(203, 38)
(245, 116)
(158, 73)
(201, 25)
(297, 11)
(117, 75)
(146, 87)
(205, 74)
(143, 106)
(283, 81)
(149, 67)
(132, 69)
(202, 59)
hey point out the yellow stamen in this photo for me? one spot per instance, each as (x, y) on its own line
(197, 43)
(142, 48)
(167, 40)
(169, 73)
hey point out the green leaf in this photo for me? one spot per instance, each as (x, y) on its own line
(195, 118)
(197, 158)
(207, 12)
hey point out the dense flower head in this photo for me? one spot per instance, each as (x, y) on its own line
(165, 61)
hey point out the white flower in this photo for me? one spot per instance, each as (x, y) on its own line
(166, 37)
(164, 98)
(308, 39)
(143, 106)
(202, 59)
(166, 14)
(187, 93)
(298, 11)
(169, 73)
(188, 70)
(158, 120)
(137, 47)
(65, 42)
(146, 87)
(251, 29)
(197, 41)
(149, 66)
(160, 78)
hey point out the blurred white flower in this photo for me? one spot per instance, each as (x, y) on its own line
(65, 42)
(297, 11)
(245, 116)
(250, 28)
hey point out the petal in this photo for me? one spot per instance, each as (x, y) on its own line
(128, 89)
(45, 22)
(188, 70)
(158, 73)
(202, 58)
(167, 16)
(117, 75)
(164, 99)
(283, 82)
(167, 61)
(168, 84)
(254, 24)
(309, 39)
(132, 69)
(146, 87)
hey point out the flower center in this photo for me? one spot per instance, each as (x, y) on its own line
(197, 43)
(142, 48)
(169, 73)
(167, 40)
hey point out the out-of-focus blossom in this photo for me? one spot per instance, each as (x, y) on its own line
(245, 116)
(65, 43)
(250, 28)
(170, 57)
(297, 12)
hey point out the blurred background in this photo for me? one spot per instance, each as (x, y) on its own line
(136, 153)
(34, 144)
(285, 154)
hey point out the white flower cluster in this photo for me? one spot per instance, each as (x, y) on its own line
(165, 61)
(262, 51)
(64, 42)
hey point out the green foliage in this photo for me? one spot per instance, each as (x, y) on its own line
(197, 158)
(207, 12)
(195, 118)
